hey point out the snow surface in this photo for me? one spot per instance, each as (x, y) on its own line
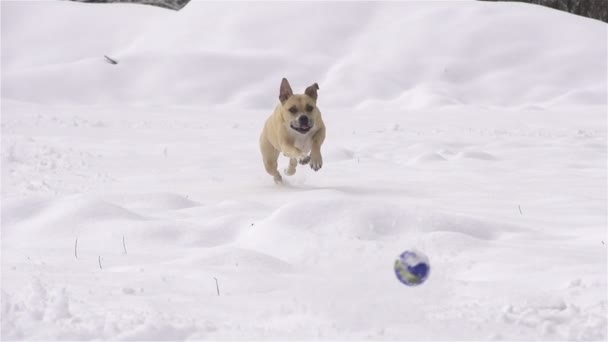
(474, 132)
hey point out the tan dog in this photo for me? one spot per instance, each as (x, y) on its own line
(295, 129)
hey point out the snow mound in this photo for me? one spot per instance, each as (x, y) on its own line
(473, 57)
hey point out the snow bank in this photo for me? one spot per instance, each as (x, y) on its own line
(397, 55)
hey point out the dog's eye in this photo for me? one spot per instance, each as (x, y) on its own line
(309, 108)
(293, 110)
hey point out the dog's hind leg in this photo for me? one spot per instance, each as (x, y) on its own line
(271, 167)
(270, 158)
(291, 170)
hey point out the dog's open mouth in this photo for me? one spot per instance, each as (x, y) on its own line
(301, 130)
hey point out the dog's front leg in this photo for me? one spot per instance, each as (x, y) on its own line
(316, 160)
(298, 155)
(291, 151)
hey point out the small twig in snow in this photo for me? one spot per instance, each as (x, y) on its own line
(217, 286)
(519, 206)
(76, 248)
(123, 244)
(110, 60)
(99, 259)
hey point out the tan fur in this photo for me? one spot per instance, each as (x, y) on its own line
(279, 136)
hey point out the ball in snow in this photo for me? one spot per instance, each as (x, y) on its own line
(412, 268)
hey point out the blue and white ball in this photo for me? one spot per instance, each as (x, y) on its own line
(412, 268)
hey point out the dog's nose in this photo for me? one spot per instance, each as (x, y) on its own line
(303, 120)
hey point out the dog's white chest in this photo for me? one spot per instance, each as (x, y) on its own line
(303, 142)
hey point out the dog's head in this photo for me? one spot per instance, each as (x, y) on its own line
(299, 111)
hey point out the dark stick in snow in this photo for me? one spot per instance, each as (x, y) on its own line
(217, 286)
(110, 60)
(76, 248)
(169, 4)
(99, 259)
(123, 244)
(519, 206)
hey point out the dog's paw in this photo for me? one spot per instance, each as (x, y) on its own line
(278, 179)
(316, 163)
(305, 160)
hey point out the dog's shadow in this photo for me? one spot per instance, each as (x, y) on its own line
(350, 190)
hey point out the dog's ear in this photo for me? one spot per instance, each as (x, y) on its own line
(285, 92)
(312, 91)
